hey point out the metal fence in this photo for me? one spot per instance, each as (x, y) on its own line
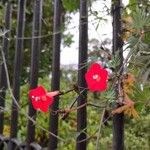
(12, 143)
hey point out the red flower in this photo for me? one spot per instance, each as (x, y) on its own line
(96, 78)
(41, 99)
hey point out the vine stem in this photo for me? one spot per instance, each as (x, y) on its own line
(99, 130)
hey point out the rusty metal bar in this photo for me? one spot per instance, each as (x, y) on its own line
(55, 72)
(83, 48)
(5, 47)
(36, 46)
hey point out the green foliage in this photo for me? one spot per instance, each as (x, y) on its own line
(71, 5)
(109, 95)
(67, 39)
(132, 2)
(137, 133)
(115, 61)
(140, 19)
(138, 41)
(141, 96)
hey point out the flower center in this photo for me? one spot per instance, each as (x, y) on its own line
(43, 98)
(37, 98)
(96, 77)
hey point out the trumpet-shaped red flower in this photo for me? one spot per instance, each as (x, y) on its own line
(41, 99)
(96, 78)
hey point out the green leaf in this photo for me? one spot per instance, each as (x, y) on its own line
(114, 62)
(109, 95)
(140, 19)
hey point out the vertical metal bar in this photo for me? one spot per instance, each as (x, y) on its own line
(55, 71)
(83, 48)
(5, 47)
(17, 66)
(117, 28)
(118, 119)
(36, 46)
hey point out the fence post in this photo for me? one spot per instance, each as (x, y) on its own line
(55, 72)
(17, 67)
(118, 119)
(34, 67)
(5, 47)
(83, 48)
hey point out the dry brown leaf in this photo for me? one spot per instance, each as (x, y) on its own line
(128, 104)
(127, 100)
(127, 110)
(128, 83)
(119, 109)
